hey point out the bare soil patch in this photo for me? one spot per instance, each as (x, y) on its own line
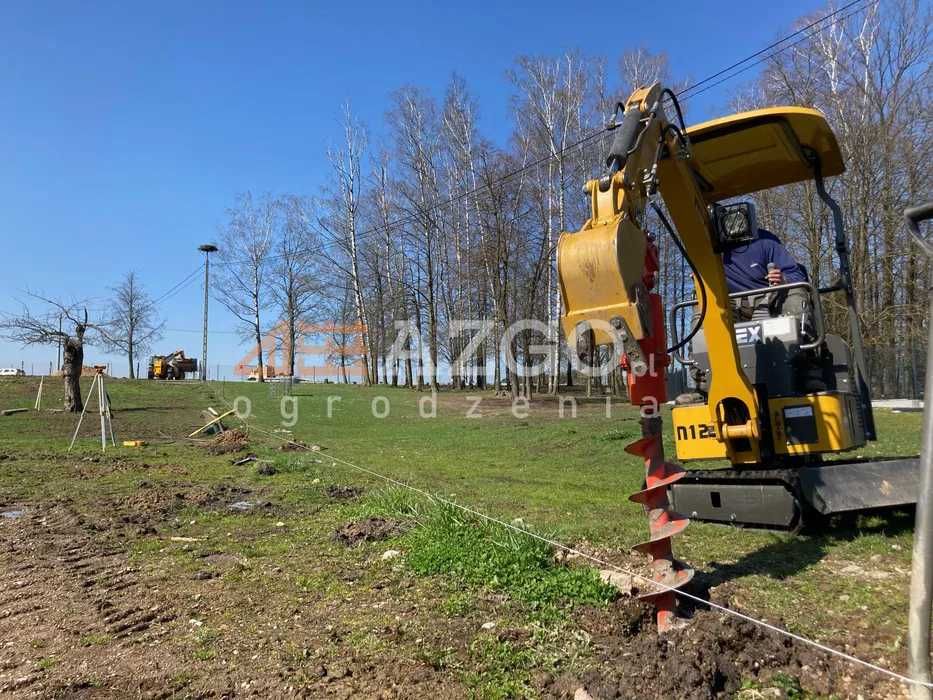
(368, 530)
(73, 597)
(79, 617)
(709, 658)
(343, 493)
(234, 440)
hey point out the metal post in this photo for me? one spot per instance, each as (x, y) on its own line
(207, 249)
(862, 382)
(921, 579)
(103, 415)
(59, 356)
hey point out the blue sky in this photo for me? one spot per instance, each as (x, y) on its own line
(126, 129)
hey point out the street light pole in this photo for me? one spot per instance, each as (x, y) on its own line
(207, 249)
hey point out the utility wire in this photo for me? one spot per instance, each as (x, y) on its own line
(381, 228)
(784, 48)
(769, 47)
(199, 331)
(171, 292)
(178, 287)
(174, 290)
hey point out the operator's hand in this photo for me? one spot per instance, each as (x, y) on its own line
(775, 276)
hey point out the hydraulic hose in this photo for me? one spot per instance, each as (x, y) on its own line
(701, 289)
(680, 114)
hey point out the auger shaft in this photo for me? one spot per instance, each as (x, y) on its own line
(648, 392)
(663, 523)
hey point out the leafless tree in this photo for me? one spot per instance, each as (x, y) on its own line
(47, 328)
(389, 266)
(550, 105)
(343, 337)
(132, 323)
(341, 222)
(415, 128)
(294, 282)
(241, 283)
(641, 68)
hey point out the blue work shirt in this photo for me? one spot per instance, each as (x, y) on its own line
(746, 264)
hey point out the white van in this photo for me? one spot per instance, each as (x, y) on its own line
(11, 372)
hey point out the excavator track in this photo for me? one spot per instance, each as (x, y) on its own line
(766, 498)
(784, 498)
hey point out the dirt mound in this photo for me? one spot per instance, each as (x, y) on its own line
(228, 441)
(147, 505)
(709, 658)
(368, 530)
(343, 493)
(216, 495)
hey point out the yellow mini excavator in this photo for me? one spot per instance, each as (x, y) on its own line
(173, 366)
(777, 396)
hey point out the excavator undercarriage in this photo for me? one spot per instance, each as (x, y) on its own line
(787, 498)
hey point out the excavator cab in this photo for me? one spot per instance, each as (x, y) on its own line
(812, 385)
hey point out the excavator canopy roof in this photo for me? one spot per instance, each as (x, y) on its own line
(764, 148)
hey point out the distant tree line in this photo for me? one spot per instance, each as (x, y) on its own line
(435, 225)
(434, 222)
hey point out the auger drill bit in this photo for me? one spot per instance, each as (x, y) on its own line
(663, 523)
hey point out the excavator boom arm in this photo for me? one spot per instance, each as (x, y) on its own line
(605, 279)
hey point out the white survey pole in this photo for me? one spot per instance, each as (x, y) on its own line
(921, 578)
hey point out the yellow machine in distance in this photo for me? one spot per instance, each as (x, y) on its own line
(173, 366)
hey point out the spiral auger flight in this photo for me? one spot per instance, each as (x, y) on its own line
(663, 524)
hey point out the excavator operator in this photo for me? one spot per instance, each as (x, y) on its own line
(755, 259)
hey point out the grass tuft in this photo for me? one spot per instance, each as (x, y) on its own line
(397, 502)
(503, 669)
(481, 553)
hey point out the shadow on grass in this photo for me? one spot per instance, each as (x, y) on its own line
(789, 555)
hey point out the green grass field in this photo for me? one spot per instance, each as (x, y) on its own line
(571, 477)
(565, 476)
